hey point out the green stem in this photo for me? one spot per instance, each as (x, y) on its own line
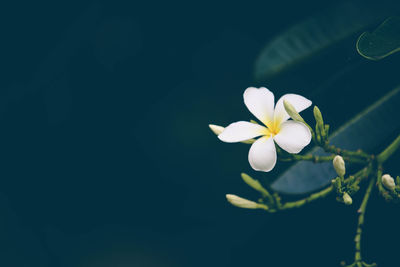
(310, 198)
(357, 239)
(308, 157)
(343, 152)
(379, 181)
(357, 177)
(316, 159)
(385, 154)
(352, 183)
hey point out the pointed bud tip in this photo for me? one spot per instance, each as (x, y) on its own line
(318, 115)
(245, 176)
(216, 129)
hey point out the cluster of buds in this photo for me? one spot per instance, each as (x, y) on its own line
(389, 188)
(340, 168)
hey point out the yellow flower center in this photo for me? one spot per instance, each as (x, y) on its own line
(273, 128)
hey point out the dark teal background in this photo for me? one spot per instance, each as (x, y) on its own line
(106, 155)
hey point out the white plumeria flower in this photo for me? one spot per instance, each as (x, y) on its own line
(291, 136)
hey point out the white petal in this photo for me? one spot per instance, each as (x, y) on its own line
(293, 136)
(260, 102)
(299, 102)
(241, 131)
(262, 154)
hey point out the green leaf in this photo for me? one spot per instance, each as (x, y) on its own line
(310, 37)
(368, 130)
(382, 42)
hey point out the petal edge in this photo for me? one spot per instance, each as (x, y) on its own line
(293, 136)
(260, 102)
(262, 154)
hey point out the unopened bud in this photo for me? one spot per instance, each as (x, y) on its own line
(320, 122)
(216, 129)
(347, 199)
(318, 115)
(292, 111)
(254, 184)
(338, 164)
(388, 181)
(244, 203)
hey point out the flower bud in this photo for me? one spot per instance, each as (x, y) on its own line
(216, 129)
(347, 199)
(318, 115)
(320, 122)
(338, 164)
(244, 203)
(388, 181)
(292, 111)
(254, 184)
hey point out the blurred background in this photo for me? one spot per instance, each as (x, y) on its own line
(106, 155)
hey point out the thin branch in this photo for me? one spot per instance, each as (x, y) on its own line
(385, 154)
(357, 258)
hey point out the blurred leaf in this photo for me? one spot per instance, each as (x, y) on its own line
(368, 130)
(382, 42)
(315, 34)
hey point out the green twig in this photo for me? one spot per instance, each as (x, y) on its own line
(310, 198)
(356, 178)
(357, 258)
(317, 159)
(382, 190)
(385, 154)
(347, 153)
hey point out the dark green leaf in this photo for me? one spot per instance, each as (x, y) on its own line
(368, 131)
(314, 35)
(382, 42)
